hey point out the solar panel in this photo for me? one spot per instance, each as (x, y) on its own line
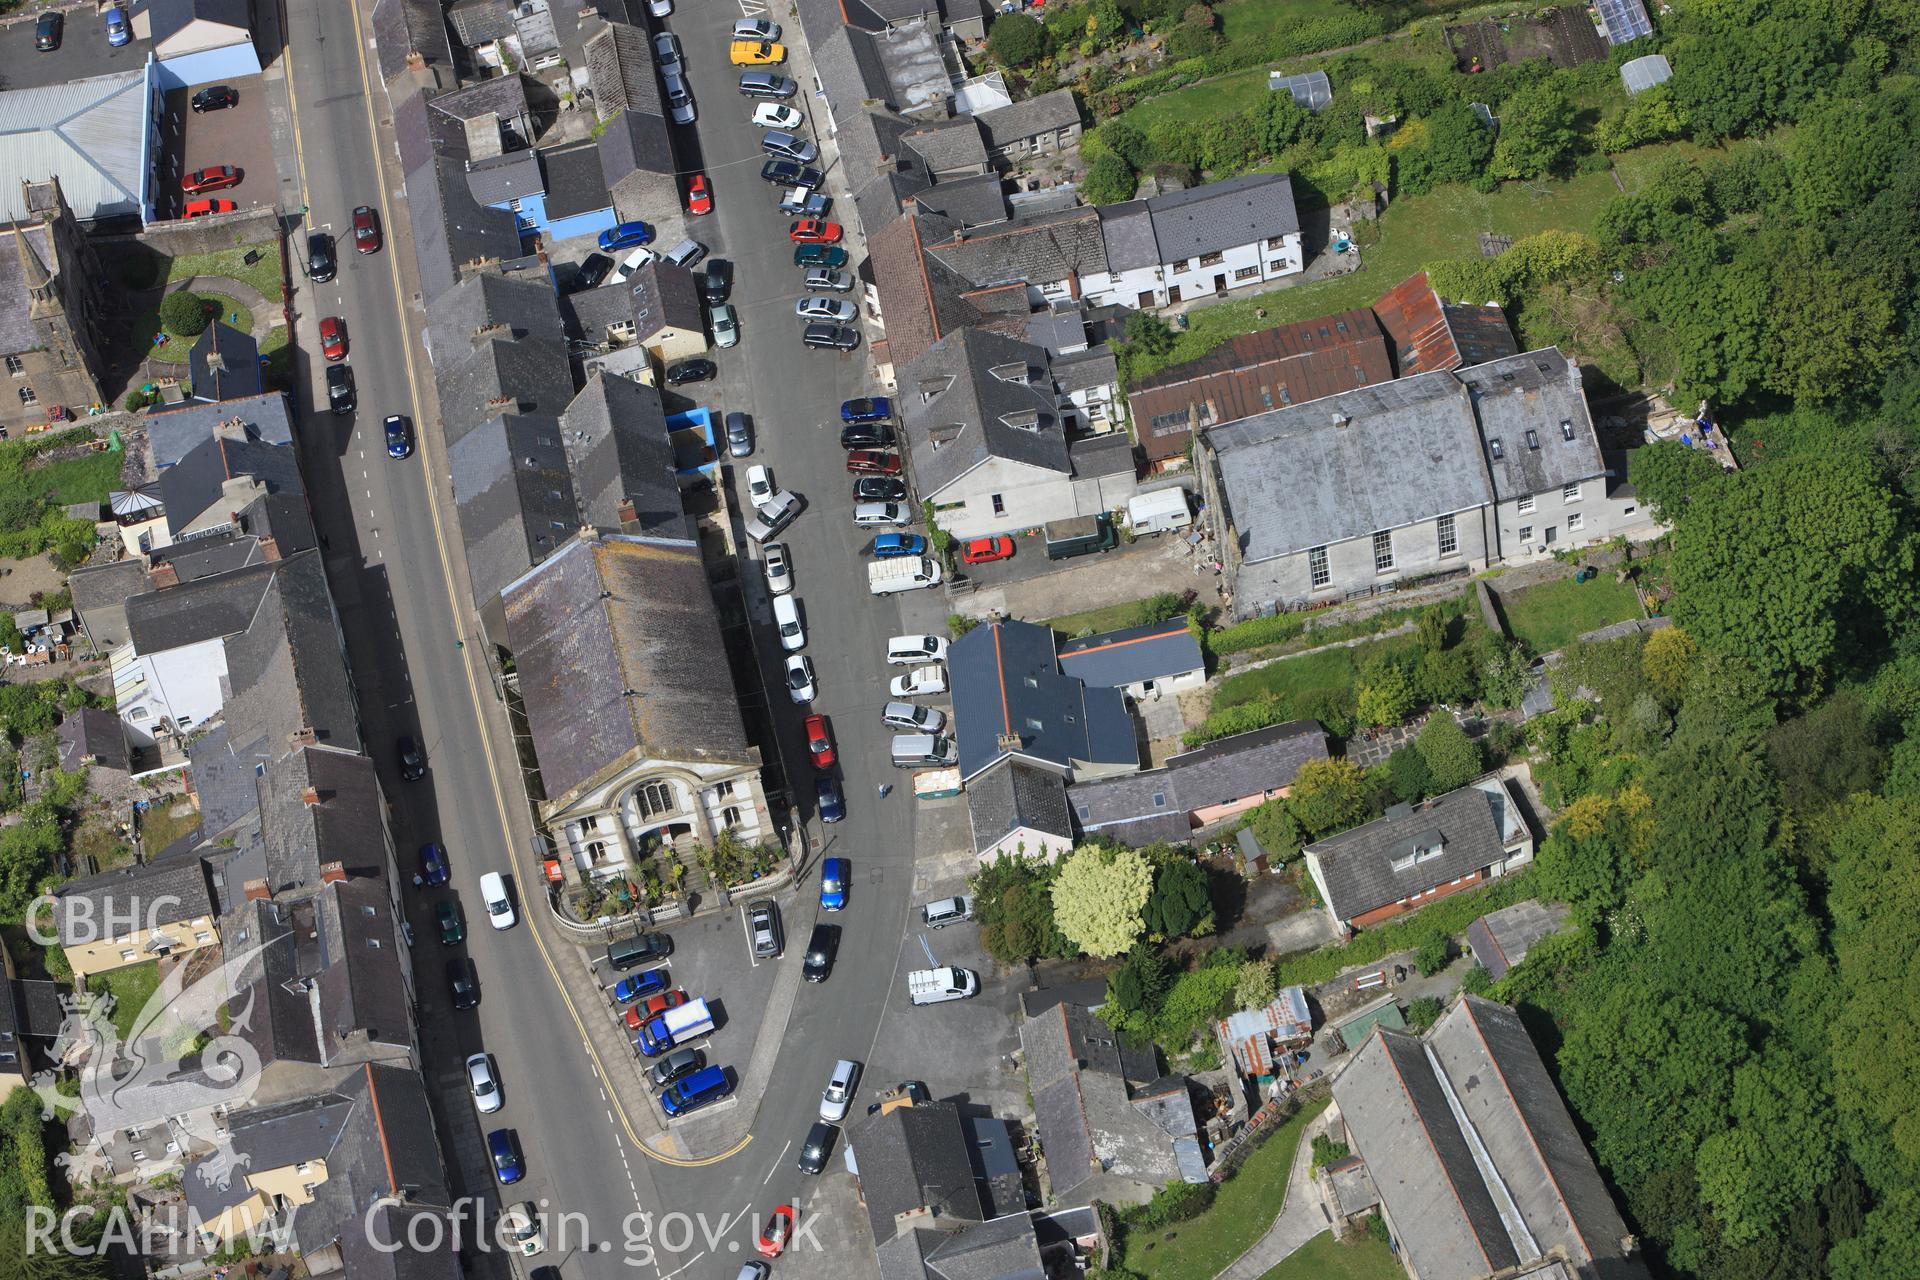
(1624, 20)
(1310, 89)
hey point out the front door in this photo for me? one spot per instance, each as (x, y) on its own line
(1173, 293)
(1552, 535)
(1146, 299)
(1220, 286)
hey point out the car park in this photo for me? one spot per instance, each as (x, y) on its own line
(910, 650)
(837, 1097)
(681, 372)
(47, 31)
(920, 682)
(399, 437)
(686, 253)
(413, 765)
(773, 1236)
(888, 545)
(913, 718)
(654, 1007)
(814, 231)
(813, 307)
(592, 271)
(763, 926)
(817, 1147)
(870, 515)
(827, 278)
(366, 229)
(676, 1066)
(866, 409)
(215, 98)
(866, 435)
(624, 236)
(702, 1088)
(879, 462)
(679, 99)
(216, 177)
(493, 893)
(787, 146)
(786, 620)
(207, 208)
(634, 260)
(986, 550)
(828, 798)
(800, 685)
(834, 873)
(760, 486)
(789, 173)
(777, 115)
(755, 29)
(518, 1228)
(638, 986)
(463, 984)
(446, 917)
(739, 436)
(699, 195)
(726, 325)
(827, 336)
(767, 84)
(779, 569)
(879, 489)
(333, 338)
(819, 741)
(716, 280)
(819, 255)
(504, 1149)
(755, 53)
(666, 53)
(118, 32)
(433, 865)
(483, 1084)
(321, 264)
(341, 395)
(823, 944)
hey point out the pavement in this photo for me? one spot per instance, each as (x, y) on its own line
(1302, 1215)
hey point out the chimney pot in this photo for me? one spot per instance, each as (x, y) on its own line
(332, 872)
(256, 891)
(310, 796)
(304, 737)
(626, 511)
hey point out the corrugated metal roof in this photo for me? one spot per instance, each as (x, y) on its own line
(87, 133)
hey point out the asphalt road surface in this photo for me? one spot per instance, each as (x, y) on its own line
(394, 563)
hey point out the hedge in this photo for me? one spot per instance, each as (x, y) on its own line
(1446, 918)
(1256, 633)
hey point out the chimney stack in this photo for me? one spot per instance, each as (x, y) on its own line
(1008, 743)
(256, 890)
(310, 797)
(304, 737)
(333, 872)
(269, 548)
(164, 575)
(626, 512)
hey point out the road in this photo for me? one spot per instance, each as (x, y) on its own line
(394, 564)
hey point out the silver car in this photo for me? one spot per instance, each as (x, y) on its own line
(679, 99)
(483, 1084)
(818, 308)
(829, 279)
(787, 146)
(666, 53)
(755, 29)
(726, 325)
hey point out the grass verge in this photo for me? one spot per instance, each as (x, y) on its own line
(1327, 1257)
(263, 273)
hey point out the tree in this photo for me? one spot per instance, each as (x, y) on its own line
(1837, 324)
(1141, 982)
(1254, 988)
(1780, 1150)
(1277, 830)
(1099, 897)
(1181, 903)
(184, 312)
(1329, 796)
(1503, 669)
(1666, 660)
(1826, 755)
(1015, 40)
(1110, 180)
(1281, 122)
(1537, 134)
(1015, 911)
(1667, 474)
(1408, 775)
(1198, 997)
(1127, 140)
(1650, 116)
(1387, 698)
(1195, 37)
(1433, 953)
(1453, 759)
(1844, 151)
(1596, 851)
(1456, 149)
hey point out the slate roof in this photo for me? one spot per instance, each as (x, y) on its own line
(502, 179)
(576, 182)
(1295, 478)
(1006, 681)
(1078, 1070)
(17, 268)
(1014, 795)
(1223, 215)
(1114, 659)
(286, 670)
(1257, 373)
(588, 312)
(92, 734)
(225, 364)
(615, 433)
(921, 299)
(664, 295)
(1003, 1249)
(515, 496)
(914, 1158)
(948, 145)
(1048, 113)
(1537, 392)
(100, 595)
(196, 485)
(1128, 229)
(173, 433)
(87, 132)
(169, 17)
(1473, 1153)
(344, 825)
(363, 990)
(196, 611)
(996, 1169)
(503, 96)
(971, 202)
(1428, 334)
(621, 69)
(365, 1258)
(654, 631)
(1086, 370)
(524, 308)
(452, 229)
(223, 779)
(1040, 249)
(635, 141)
(402, 27)
(526, 376)
(1501, 939)
(1471, 825)
(1138, 809)
(997, 392)
(160, 893)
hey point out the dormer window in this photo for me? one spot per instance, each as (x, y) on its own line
(932, 388)
(1012, 371)
(1024, 420)
(946, 433)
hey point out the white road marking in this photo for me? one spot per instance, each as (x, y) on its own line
(776, 1163)
(696, 1257)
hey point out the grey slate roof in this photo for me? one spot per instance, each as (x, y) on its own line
(663, 295)
(501, 179)
(958, 372)
(1114, 659)
(1137, 809)
(401, 27)
(173, 433)
(224, 364)
(1537, 391)
(948, 145)
(365, 1258)
(605, 616)
(1501, 939)
(1141, 808)
(1472, 1151)
(970, 202)
(223, 779)
(286, 670)
(515, 495)
(195, 485)
(1294, 478)
(197, 611)
(525, 375)
(1109, 454)
(523, 308)
(159, 893)
(168, 17)
(452, 229)
(914, 1158)
(1223, 215)
(635, 141)
(1003, 1249)
(1471, 825)
(363, 990)
(1079, 1072)
(1041, 249)
(1013, 795)
(92, 734)
(504, 96)
(621, 69)
(576, 182)
(345, 825)
(996, 1170)
(615, 433)
(100, 595)
(1006, 681)
(1047, 113)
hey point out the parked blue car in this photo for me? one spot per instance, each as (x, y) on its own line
(118, 32)
(833, 806)
(833, 884)
(625, 236)
(507, 1165)
(433, 864)
(899, 544)
(867, 409)
(641, 985)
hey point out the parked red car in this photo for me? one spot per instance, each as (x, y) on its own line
(873, 462)
(202, 208)
(333, 338)
(366, 229)
(987, 550)
(773, 1236)
(216, 177)
(814, 231)
(654, 1008)
(699, 194)
(819, 742)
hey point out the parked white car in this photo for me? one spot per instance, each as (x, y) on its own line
(786, 618)
(814, 307)
(907, 651)
(755, 29)
(829, 279)
(838, 1095)
(780, 572)
(919, 682)
(519, 1228)
(800, 678)
(631, 263)
(760, 489)
(484, 1085)
(777, 115)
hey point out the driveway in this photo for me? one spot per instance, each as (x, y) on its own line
(1034, 588)
(239, 136)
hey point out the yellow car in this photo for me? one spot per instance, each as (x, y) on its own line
(756, 53)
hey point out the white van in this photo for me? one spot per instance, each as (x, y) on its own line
(918, 750)
(493, 892)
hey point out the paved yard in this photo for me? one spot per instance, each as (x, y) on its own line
(240, 136)
(1034, 588)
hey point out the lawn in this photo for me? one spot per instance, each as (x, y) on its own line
(1331, 669)
(131, 988)
(1554, 614)
(1221, 96)
(158, 828)
(87, 478)
(1112, 617)
(263, 273)
(179, 347)
(1326, 1257)
(1257, 17)
(1200, 1248)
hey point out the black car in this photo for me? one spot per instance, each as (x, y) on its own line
(695, 370)
(818, 1146)
(676, 1066)
(215, 98)
(822, 945)
(590, 273)
(879, 489)
(824, 335)
(464, 982)
(413, 764)
(791, 173)
(716, 281)
(341, 397)
(320, 260)
(866, 435)
(46, 32)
